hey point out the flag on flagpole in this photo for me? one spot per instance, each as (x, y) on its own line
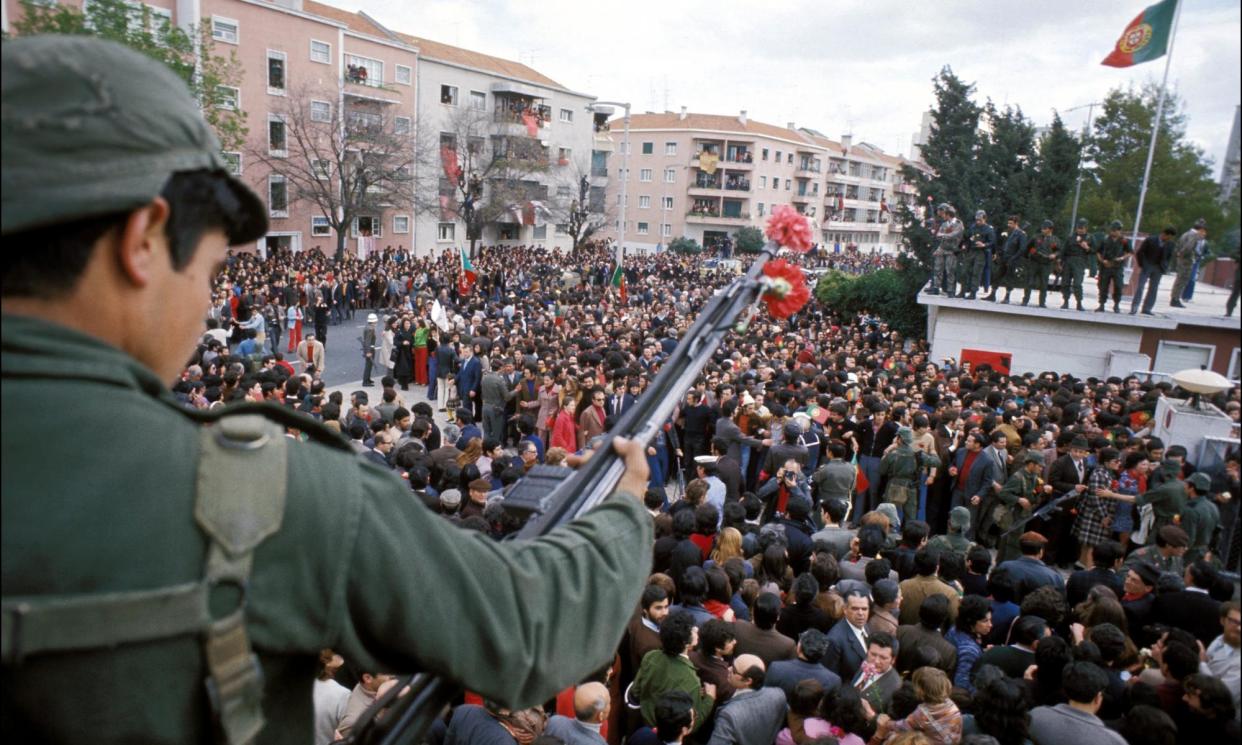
(618, 281)
(468, 276)
(1146, 37)
(861, 482)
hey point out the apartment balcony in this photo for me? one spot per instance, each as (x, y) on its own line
(702, 188)
(737, 185)
(808, 170)
(804, 197)
(369, 90)
(742, 163)
(708, 218)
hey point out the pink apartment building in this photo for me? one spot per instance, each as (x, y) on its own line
(703, 176)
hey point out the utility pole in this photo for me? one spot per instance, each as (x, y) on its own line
(1086, 132)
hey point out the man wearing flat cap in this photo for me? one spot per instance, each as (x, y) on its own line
(175, 556)
(1167, 553)
(1200, 517)
(1013, 504)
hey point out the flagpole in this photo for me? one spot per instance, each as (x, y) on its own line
(1151, 149)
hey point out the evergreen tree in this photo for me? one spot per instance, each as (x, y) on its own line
(1006, 159)
(1056, 171)
(1181, 189)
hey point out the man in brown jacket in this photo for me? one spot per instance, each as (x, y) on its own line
(924, 583)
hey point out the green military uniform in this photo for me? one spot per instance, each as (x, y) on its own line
(980, 242)
(1020, 485)
(1150, 554)
(1184, 261)
(296, 545)
(903, 468)
(1112, 254)
(1200, 518)
(1040, 257)
(954, 541)
(1074, 259)
(1166, 500)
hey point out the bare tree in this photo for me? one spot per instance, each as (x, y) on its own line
(580, 207)
(473, 170)
(349, 163)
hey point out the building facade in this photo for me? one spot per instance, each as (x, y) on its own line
(704, 176)
(311, 67)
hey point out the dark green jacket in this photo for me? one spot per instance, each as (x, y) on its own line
(1166, 500)
(98, 494)
(1073, 250)
(1200, 518)
(1111, 251)
(1043, 250)
(660, 673)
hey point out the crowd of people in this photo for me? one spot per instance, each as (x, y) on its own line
(850, 545)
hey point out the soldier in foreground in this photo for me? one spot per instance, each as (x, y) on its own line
(176, 584)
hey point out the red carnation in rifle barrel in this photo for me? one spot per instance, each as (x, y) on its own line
(790, 229)
(786, 291)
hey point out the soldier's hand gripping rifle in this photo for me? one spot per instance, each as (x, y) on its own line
(1051, 507)
(551, 496)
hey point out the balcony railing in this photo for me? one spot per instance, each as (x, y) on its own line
(358, 76)
(737, 185)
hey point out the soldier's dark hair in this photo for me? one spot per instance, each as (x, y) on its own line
(674, 711)
(54, 257)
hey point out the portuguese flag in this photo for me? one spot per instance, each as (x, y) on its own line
(1146, 38)
(618, 281)
(468, 276)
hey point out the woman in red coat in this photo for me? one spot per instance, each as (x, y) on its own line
(565, 429)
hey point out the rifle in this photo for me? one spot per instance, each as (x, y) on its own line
(550, 496)
(1049, 508)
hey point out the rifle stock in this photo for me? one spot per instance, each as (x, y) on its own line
(409, 716)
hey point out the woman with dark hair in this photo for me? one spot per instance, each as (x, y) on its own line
(1101, 606)
(999, 709)
(719, 594)
(843, 710)
(772, 570)
(421, 333)
(403, 363)
(801, 723)
(973, 624)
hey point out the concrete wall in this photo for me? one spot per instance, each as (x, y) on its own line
(1036, 343)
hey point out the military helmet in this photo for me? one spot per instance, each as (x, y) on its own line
(1045, 225)
(1082, 222)
(1114, 225)
(981, 215)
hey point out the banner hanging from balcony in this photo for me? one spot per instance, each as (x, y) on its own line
(532, 123)
(708, 161)
(448, 159)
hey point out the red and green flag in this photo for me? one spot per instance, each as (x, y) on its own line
(468, 275)
(618, 281)
(1146, 38)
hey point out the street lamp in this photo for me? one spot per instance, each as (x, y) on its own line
(625, 170)
(1086, 132)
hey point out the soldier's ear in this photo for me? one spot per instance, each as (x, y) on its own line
(139, 242)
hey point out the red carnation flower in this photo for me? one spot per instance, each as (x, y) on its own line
(789, 229)
(786, 291)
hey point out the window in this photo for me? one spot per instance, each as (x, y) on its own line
(234, 162)
(778, 156)
(567, 115)
(763, 182)
(670, 148)
(790, 159)
(643, 228)
(276, 68)
(648, 148)
(364, 71)
(765, 153)
(321, 51)
(562, 228)
(540, 232)
(364, 121)
(644, 203)
(230, 97)
(276, 135)
(321, 111)
(761, 209)
(668, 203)
(564, 193)
(644, 174)
(1175, 356)
(277, 196)
(402, 75)
(1233, 364)
(448, 95)
(670, 175)
(666, 230)
(320, 227)
(478, 100)
(367, 226)
(788, 184)
(401, 125)
(224, 29)
(562, 156)
(776, 184)
(446, 231)
(322, 168)
(400, 223)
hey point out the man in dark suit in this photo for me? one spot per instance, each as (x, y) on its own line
(847, 641)
(379, 453)
(972, 474)
(1138, 600)
(1107, 557)
(727, 429)
(914, 640)
(620, 401)
(1015, 657)
(754, 713)
(1192, 609)
(1029, 572)
(786, 674)
(1068, 473)
(469, 379)
(728, 470)
(761, 638)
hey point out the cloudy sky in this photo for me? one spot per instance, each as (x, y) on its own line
(842, 66)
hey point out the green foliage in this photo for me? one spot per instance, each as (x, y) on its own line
(1055, 174)
(887, 293)
(748, 240)
(152, 35)
(1181, 189)
(683, 245)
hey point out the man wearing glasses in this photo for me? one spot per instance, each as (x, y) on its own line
(753, 713)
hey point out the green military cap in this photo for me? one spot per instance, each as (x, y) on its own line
(1045, 224)
(92, 128)
(1034, 456)
(906, 435)
(1082, 222)
(1200, 482)
(959, 517)
(1114, 225)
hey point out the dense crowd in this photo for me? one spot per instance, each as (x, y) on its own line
(850, 546)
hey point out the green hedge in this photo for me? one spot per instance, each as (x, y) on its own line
(890, 294)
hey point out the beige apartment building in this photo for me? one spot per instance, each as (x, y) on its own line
(703, 176)
(309, 64)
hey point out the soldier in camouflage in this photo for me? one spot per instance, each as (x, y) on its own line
(944, 258)
(1189, 246)
(1113, 251)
